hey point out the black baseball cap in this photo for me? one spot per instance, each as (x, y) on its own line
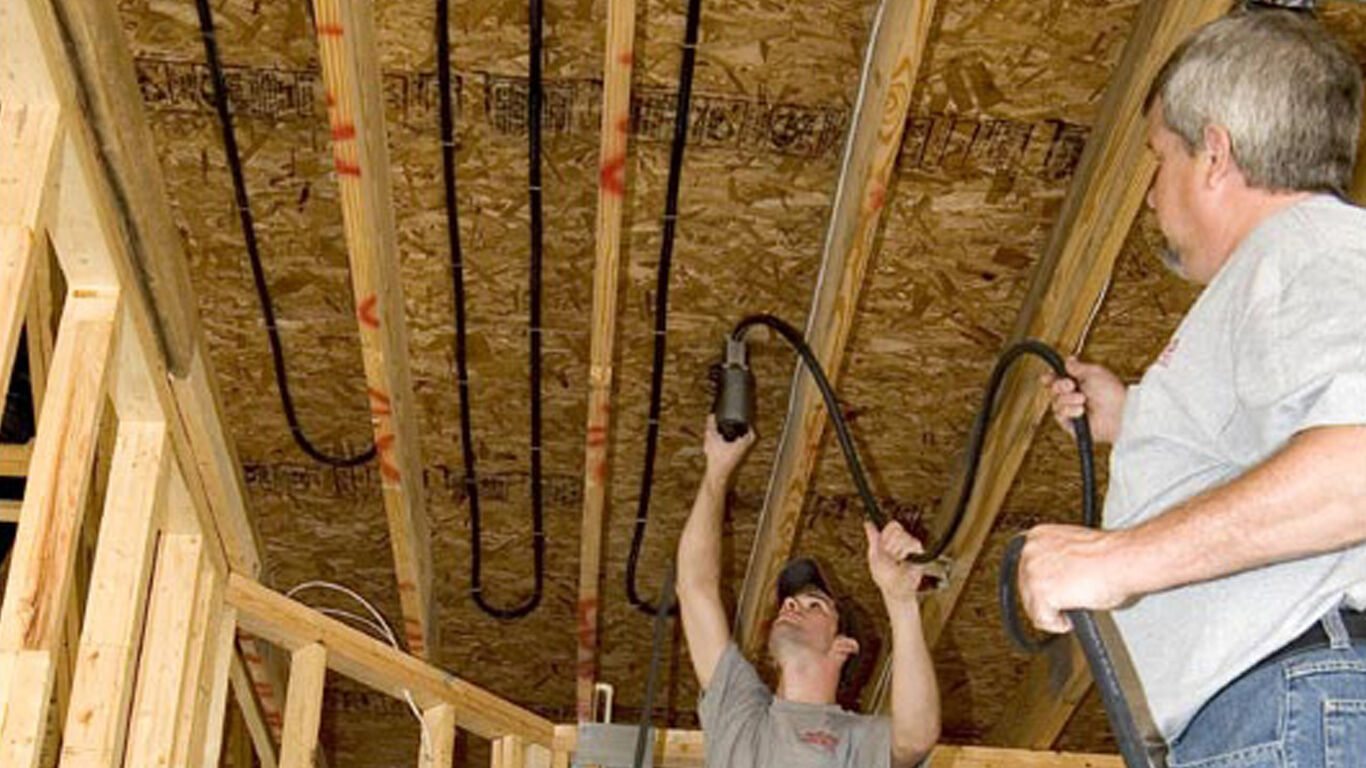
(803, 574)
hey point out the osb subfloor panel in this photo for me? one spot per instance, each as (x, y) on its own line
(1007, 95)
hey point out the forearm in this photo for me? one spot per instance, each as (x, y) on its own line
(699, 546)
(1309, 498)
(915, 694)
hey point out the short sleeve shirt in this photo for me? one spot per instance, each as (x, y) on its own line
(1275, 345)
(747, 727)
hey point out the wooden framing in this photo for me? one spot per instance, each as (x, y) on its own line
(1066, 289)
(687, 749)
(291, 625)
(303, 706)
(616, 122)
(439, 744)
(895, 50)
(355, 98)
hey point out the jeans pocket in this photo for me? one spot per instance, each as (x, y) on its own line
(1344, 733)
(1256, 756)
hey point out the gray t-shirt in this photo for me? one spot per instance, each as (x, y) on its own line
(1274, 345)
(747, 727)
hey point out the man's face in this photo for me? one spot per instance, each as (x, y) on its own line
(807, 621)
(1174, 196)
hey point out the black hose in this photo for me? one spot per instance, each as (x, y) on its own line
(666, 250)
(794, 337)
(656, 656)
(536, 16)
(258, 273)
(1098, 657)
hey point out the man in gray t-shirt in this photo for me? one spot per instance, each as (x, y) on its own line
(1235, 561)
(811, 642)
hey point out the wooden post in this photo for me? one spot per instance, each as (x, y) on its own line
(303, 706)
(438, 749)
(103, 689)
(167, 647)
(1069, 281)
(616, 124)
(215, 685)
(243, 691)
(38, 588)
(355, 98)
(895, 49)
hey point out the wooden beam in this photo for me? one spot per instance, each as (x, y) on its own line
(243, 690)
(102, 693)
(303, 706)
(193, 708)
(1069, 281)
(167, 648)
(9, 510)
(214, 686)
(616, 122)
(895, 50)
(291, 625)
(112, 108)
(39, 583)
(351, 74)
(1055, 684)
(438, 746)
(30, 140)
(14, 459)
(687, 749)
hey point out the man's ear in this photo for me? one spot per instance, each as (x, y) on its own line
(1218, 148)
(844, 646)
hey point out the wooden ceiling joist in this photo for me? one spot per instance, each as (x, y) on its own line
(1065, 290)
(616, 122)
(292, 625)
(895, 50)
(355, 99)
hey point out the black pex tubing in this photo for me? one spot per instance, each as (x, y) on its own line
(258, 273)
(666, 249)
(534, 98)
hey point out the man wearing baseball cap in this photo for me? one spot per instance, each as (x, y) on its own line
(814, 644)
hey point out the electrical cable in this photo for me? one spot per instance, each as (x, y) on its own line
(666, 249)
(377, 625)
(258, 274)
(443, 62)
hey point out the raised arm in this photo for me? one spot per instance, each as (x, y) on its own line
(915, 694)
(699, 555)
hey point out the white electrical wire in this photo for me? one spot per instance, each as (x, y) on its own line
(376, 626)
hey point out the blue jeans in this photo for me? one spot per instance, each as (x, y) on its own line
(1307, 710)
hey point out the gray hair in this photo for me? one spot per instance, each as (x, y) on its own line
(1289, 95)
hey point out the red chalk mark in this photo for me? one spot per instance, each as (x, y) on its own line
(327, 95)
(386, 468)
(263, 688)
(597, 436)
(345, 168)
(379, 403)
(624, 124)
(600, 472)
(878, 197)
(613, 176)
(407, 586)
(366, 314)
(331, 30)
(343, 132)
(587, 613)
(389, 471)
(586, 669)
(626, 58)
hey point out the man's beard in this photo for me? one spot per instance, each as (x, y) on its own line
(1171, 259)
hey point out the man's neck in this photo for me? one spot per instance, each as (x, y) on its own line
(810, 681)
(1246, 211)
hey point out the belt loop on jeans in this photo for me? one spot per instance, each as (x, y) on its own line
(1333, 626)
